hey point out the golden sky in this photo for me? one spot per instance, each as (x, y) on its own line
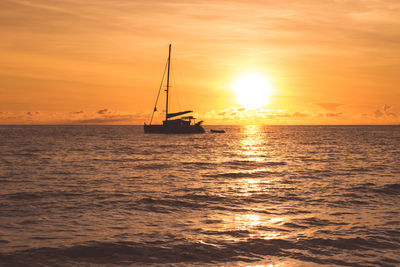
(101, 61)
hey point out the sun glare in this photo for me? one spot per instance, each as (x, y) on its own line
(252, 91)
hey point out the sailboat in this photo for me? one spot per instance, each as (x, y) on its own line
(172, 124)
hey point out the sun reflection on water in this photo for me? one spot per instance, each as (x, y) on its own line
(252, 142)
(278, 220)
(248, 220)
(252, 188)
(278, 264)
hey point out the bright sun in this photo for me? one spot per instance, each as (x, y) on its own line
(252, 91)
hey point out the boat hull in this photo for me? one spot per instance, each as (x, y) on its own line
(165, 129)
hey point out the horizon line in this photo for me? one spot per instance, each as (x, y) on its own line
(89, 124)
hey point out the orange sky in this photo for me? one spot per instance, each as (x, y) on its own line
(71, 62)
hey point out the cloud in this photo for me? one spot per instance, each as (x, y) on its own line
(102, 111)
(73, 118)
(109, 119)
(20, 117)
(329, 105)
(32, 113)
(240, 115)
(299, 115)
(388, 112)
(296, 114)
(105, 116)
(385, 111)
(6, 115)
(378, 113)
(338, 114)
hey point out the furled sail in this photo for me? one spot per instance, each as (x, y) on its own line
(171, 115)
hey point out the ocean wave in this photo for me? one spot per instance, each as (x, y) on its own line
(244, 174)
(348, 203)
(390, 189)
(294, 225)
(22, 196)
(234, 233)
(153, 166)
(313, 221)
(121, 253)
(172, 203)
(216, 252)
(199, 163)
(254, 163)
(205, 198)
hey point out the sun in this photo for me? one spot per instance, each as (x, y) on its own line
(252, 91)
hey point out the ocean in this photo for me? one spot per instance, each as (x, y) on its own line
(253, 196)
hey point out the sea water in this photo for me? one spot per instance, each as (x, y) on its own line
(254, 196)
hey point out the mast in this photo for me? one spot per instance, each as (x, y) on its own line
(169, 63)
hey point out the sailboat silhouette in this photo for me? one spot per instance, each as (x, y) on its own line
(182, 125)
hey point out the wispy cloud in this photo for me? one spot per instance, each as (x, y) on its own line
(109, 119)
(338, 114)
(107, 116)
(329, 105)
(102, 111)
(386, 110)
(74, 117)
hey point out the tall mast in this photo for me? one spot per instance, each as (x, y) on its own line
(169, 63)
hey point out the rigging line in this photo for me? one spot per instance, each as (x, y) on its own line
(159, 90)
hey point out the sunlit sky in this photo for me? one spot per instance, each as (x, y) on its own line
(101, 61)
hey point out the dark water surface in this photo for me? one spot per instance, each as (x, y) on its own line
(256, 195)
